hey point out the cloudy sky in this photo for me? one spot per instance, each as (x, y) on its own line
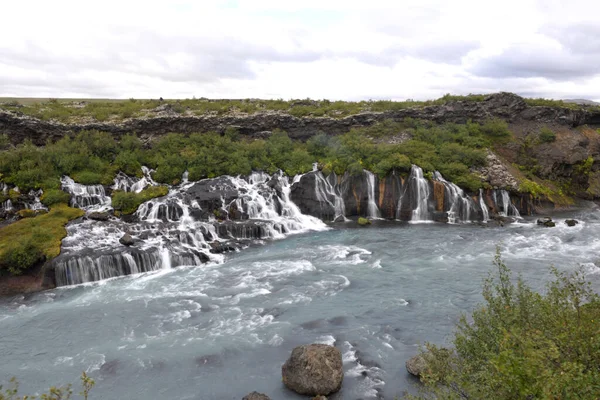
(336, 49)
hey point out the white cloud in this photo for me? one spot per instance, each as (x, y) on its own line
(321, 49)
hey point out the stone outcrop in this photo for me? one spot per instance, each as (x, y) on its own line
(314, 369)
(503, 105)
(256, 396)
(496, 173)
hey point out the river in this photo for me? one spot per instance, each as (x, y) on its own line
(219, 331)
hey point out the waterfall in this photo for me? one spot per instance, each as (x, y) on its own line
(508, 209)
(86, 197)
(174, 230)
(6, 205)
(420, 190)
(324, 190)
(484, 207)
(37, 204)
(136, 185)
(372, 209)
(460, 204)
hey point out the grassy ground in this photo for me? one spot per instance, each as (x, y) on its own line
(45, 232)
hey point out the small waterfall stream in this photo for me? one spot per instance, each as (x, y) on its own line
(325, 191)
(86, 197)
(461, 205)
(372, 209)
(484, 208)
(420, 190)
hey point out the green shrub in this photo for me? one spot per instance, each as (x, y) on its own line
(51, 197)
(128, 203)
(22, 254)
(54, 393)
(546, 135)
(520, 344)
(497, 130)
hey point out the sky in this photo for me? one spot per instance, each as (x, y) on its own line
(334, 49)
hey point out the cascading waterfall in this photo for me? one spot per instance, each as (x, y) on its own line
(372, 209)
(460, 204)
(37, 204)
(484, 207)
(85, 196)
(169, 234)
(507, 208)
(419, 187)
(324, 190)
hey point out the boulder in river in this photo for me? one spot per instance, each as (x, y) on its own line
(126, 240)
(571, 222)
(314, 369)
(256, 396)
(546, 221)
(416, 365)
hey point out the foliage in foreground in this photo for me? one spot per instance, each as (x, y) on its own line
(520, 344)
(29, 241)
(54, 393)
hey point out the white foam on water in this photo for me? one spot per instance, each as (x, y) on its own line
(328, 340)
(376, 264)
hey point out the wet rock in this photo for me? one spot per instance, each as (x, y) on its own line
(126, 240)
(546, 221)
(211, 360)
(439, 216)
(110, 368)
(571, 222)
(99, 216)
(256, 396)
(314, 369)
(319, 398)
(416, 365)
(219, 247)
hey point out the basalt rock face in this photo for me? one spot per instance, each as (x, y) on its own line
(407, 198)
(504, 105)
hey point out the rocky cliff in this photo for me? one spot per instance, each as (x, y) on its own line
(508, 106)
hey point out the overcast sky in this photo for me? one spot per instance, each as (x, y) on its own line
(335, 49)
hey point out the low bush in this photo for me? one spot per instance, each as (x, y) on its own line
(128, 203)
(546, 135)
(50, 197)
(520, 344)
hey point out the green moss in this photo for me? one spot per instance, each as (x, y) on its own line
(127, 202)
(25, 242)
(363, 221)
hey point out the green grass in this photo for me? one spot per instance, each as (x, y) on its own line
(27, 241)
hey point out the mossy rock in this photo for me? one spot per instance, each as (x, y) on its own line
(363, 221)
(26, 213)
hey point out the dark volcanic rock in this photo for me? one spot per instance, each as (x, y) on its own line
(504, 105)
(314, 369)
(571, 222)
(544, 220)
(256, 396)
(99, 216)
(126, 240)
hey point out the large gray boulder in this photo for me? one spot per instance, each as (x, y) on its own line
(314, 369)
(126, 240)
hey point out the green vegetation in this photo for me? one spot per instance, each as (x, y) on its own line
(363, 221)
(108, 110)
(95, 157)
(520, 344)
(128, 203)
(560, 104)
(29, 241)
(54, 393)
(546, 135)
